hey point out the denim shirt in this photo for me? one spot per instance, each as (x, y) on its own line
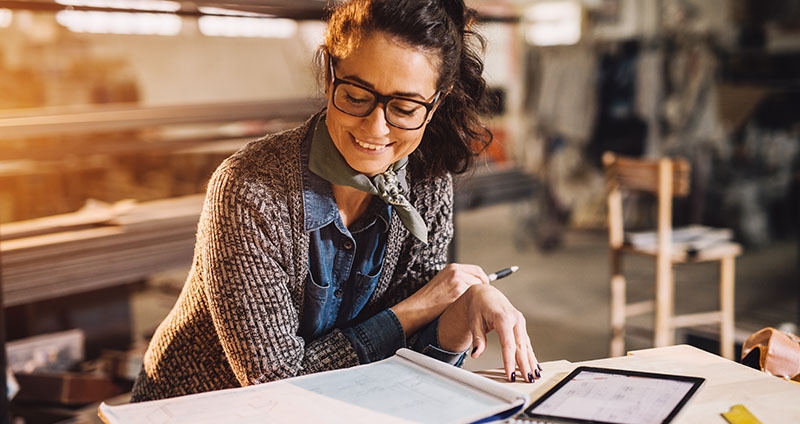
(344, 267)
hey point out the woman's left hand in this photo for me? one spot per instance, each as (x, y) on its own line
(481, 309)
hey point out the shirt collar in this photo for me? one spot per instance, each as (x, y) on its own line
(320, 207)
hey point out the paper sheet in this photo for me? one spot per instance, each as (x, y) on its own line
(394, 390)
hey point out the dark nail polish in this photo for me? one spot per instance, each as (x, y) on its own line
(539, 367)
(538, 374)
(474, 349)
(530, 378)
(513, 377)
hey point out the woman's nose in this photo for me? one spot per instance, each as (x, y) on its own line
(375, 123)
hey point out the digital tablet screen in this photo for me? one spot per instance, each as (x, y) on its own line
(604, 395)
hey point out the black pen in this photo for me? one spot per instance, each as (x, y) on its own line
(503, 273)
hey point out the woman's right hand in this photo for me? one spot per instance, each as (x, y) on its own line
(434, 297)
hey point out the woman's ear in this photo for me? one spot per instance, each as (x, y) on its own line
(327, 71)
(433, 111)
(439, 101)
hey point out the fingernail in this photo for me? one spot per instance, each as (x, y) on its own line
(538, 374)
(539, 367)
(530, 378)
(513, 377)
(474, 349)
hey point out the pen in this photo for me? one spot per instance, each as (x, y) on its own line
(502, 273)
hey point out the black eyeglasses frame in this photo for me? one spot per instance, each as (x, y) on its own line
(381, 99)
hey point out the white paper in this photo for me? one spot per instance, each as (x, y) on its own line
(394, 390)
(265, 403)
(690, 237)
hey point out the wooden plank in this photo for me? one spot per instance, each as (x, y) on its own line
(53, 262)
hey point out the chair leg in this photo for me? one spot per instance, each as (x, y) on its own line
(663, 333)
(726, 300)
(618, 303)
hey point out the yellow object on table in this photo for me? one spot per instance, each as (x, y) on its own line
(740, 415)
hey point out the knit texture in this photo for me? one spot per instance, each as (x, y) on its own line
(237, 319)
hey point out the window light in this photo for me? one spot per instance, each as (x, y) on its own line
(119, 22)
(553, 23)
(5, 17)
(235, 26)
(220, 11)
(151, 5)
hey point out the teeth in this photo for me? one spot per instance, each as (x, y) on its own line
(370, 146)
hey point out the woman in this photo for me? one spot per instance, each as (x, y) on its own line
(325, 246)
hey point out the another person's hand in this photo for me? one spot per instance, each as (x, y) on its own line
(481, 309)
(437, 295)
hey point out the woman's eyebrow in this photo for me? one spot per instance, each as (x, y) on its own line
(406, 94)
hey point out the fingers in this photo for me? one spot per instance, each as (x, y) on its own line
(487, 309)
(478, 343)
(474, 274)
(526, 358)
(508, 346)
(508, 349)
(482, 275)
(519, 360)
(537, 368)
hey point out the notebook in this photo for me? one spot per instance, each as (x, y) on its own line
(614, 396)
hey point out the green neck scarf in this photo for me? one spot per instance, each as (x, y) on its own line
(326, 161)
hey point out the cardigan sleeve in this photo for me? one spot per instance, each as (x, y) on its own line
(253, 255)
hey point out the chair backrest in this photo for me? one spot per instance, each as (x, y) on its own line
(642, 174)
(664, 177)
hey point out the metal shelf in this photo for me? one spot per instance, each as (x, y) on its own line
(86, 119)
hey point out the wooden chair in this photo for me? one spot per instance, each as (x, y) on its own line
(666, 179)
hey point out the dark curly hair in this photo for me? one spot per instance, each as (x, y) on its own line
(455, 135)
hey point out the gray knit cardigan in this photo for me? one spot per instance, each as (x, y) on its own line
(237, 319)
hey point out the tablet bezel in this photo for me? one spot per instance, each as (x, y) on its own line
(696, 383)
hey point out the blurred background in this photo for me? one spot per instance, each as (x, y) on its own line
(114, 113)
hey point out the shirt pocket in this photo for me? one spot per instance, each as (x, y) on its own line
(316, 302)
(364, 287)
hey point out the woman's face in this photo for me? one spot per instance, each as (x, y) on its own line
(369, 144)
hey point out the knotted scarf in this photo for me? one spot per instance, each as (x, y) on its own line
(326, 161)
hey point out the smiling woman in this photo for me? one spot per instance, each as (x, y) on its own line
(325, 246)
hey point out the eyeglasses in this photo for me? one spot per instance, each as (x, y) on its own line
(357, 100)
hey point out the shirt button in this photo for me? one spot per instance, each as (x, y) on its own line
(348, 245)
(337, 292)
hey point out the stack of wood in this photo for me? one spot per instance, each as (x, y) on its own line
(97, 247)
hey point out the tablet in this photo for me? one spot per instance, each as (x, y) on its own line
(614, 396)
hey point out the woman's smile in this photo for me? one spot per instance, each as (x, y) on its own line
(372, 146)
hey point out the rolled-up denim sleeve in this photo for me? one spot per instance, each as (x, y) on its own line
(376, 338)
(426, 341)
(382, 335)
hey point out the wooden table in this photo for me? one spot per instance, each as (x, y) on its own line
(770, 399)
(728, 383)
